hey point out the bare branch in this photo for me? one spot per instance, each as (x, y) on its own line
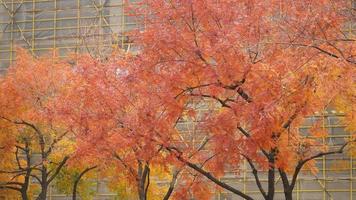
(54, 142)
(255, 174)
(190, 89)
(208, 175)
(285, 181)
(301, 163)
(350, 60)
(37, 178)
(17, 157)
(6, 187)
(76, 182)
(58, 169)
(172, 184)
(222, 102)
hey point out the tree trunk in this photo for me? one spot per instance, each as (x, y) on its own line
(271, 176)
(143, 180)
(44, 184)
(287, 188)
(43, 194)
(26, 182)
(288, 195)
(24, 187)
(76, 182)
(141, 189)
(171, 185)
(141, 193)
(24, 195)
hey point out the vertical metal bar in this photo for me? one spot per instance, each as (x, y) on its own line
(50, 192)
(351, 177)
(324, 161)
(78, 27)
(123, 25)
(11, 32)
(351, 22)
(55, 25)
(33, 25)
(351, 172)
(244, 175)
(298, 190)
(100, 26)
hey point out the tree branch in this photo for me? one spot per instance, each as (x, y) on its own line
(244, 95)
(301, 163)
(246, 134)
(208, 175)
(17, 157)
(58, 169)
(285, 180)
(255, 174)
(37, 178)
(13, 183)
(190, 89)
(6, 187)
(76, 182)
(54, 142)
(172, 185)
(222, 102)
(321, 51)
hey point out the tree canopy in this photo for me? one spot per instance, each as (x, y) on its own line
(213, 83)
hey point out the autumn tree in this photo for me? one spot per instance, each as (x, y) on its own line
(15, 171)
(266, 65)
(28, 93)
(261, 66)
(111, 115)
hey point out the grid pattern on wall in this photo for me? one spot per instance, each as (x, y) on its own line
(64, 25)
(98, 25)
(335, 179)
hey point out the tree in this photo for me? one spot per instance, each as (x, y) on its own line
(262, 65)
(15, 172)
(266, 64)
(28, 95)
(104, 109)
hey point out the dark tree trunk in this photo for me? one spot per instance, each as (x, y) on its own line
(288, 195)
(25, 185)
(77, 180)
(271, 184)
(143, 180)
(44, 184)
(28, 173)
(24, 195)
(171, 185)
(43, 194)
(141, 193)
(271, 175)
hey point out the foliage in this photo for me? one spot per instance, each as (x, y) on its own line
(34, 134)
(67, 177)
(266, 64)
(213, 83)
